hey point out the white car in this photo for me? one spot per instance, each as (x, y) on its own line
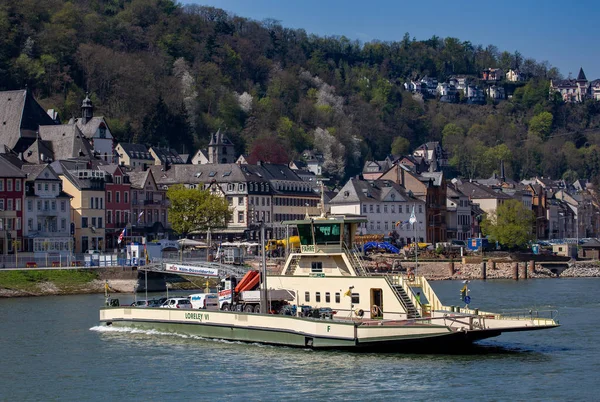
(177, 302)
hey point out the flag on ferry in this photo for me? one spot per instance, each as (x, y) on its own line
(348, 293)
(122, 235)
(140, 217)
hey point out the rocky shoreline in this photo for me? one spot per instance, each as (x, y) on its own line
(433, 271)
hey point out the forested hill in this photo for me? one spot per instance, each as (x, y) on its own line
(168, 74)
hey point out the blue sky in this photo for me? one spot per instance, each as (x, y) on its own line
(563, 33)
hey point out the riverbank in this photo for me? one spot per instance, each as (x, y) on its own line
(24, 283)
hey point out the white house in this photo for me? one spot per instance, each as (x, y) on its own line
(47, 211)
(458, 216)
(387, 206)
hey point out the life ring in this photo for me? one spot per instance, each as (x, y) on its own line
(411, 277)
(359, 312)
(374, 310)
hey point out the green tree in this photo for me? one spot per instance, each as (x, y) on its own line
(510, 225)
(193, 210)
(400, 146)
(541, 125)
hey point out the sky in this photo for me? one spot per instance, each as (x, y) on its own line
(563, 33)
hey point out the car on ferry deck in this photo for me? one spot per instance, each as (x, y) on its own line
(177, 302)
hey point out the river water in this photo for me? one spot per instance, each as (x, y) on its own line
(51, 348)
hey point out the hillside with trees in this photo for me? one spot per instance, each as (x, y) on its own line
(167, 74)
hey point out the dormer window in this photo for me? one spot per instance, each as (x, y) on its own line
(102, 131)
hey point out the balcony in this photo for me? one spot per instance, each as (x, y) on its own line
(47, 212)
(152, 202)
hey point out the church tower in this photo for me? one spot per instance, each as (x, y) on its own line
(87, 109)
(220, 149)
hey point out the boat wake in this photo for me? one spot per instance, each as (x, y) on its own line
(153, 332)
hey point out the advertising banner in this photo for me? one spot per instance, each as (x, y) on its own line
(188, 269)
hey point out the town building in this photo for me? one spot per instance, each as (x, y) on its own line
(429, 187)
(514, 76)
(12, 191)
(165, 156)
(65, 141)
(149, 205)
(492, 74)
(387, 206)
(133, 155)
(87, 187)
(46, 212)
(570, 90)
(96, 130)
(118, 204)
(459, 214)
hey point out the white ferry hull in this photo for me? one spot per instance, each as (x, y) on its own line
(401, 336)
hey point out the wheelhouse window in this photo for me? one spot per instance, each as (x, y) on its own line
(327, 233)
(316, 266)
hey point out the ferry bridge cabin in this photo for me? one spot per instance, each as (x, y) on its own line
(327, 273)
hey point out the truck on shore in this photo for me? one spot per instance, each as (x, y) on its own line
(245, 295)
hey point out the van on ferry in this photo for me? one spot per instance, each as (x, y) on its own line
(206, 301)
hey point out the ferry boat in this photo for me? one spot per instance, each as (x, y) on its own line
(373, 312)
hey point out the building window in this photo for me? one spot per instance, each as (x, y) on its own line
(109, 216)
(9, 185)
(117, 197)
(378, 225)
(18, 206)
(126, 197)
(17, 185)
(93, 221)
(63, 206)
(54, 205)
(108, 197)
(385, 209)
(355, 298)
(318, 297)
(63, 224)
(53, 187)
(316, 266)
(399, 209)
(307, 297)
(9, 204)
(378, 208)
(337, 297)
(45, 186)
(386, 225)
(420, 208)
(84, 222)
(29, 205)
(364, 209)
(371, 208)
(99, 223)
(327, 297)
(240, 217)
(2, 184)
(240, 200)
(30, 224)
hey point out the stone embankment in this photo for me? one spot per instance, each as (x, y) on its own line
(582, 269)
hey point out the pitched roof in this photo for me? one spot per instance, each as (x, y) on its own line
(167, 155)
(66, 141)
(196, 174)
(89, 129)
(20, 116)
(33, 171)
(357, 191)
(137, 178)
(478, 191)
(7, 169)
(136, 151)
(39, 152)
(581, 75)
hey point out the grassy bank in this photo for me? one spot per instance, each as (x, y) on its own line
(40, 281)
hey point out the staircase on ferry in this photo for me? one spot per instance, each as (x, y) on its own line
(411, 309)
(355, 261)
